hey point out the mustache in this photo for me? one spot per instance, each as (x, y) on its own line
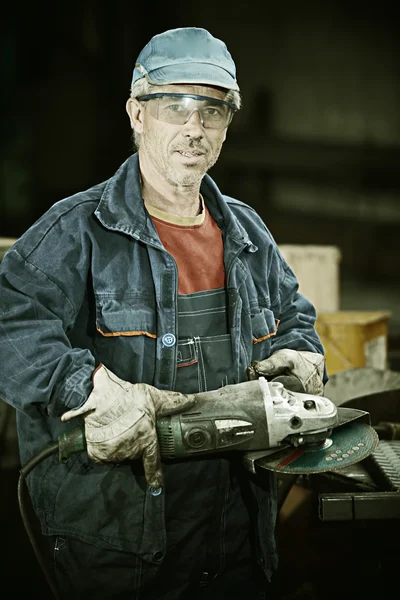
(193, 145)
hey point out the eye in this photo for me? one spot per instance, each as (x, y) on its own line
(170, 105)
(174, 107)
(213, 111)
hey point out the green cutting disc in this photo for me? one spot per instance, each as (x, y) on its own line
(347, 445)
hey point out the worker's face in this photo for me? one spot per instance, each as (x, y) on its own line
(179, 153)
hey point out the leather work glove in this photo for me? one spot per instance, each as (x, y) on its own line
(305, 367)
(120, 421)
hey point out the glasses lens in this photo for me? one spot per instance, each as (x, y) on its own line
(178, 110)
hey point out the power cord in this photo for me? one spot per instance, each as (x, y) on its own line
(24, 472)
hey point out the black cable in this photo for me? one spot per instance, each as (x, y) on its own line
(24, 472)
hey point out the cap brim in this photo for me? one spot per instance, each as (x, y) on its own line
(193, 73)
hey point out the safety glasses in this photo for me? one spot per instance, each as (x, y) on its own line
(178, 108)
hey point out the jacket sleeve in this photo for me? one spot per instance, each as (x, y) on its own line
(38, 305)
(296, 313)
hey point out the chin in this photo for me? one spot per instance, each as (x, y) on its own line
(188, 178)
(188, 181)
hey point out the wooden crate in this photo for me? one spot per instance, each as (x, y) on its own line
(354, 339)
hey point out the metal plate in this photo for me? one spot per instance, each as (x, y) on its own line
(347, 445)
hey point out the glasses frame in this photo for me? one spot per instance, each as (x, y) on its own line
(194, 96)
(232, 106)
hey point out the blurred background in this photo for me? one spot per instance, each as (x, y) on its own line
(315, 149)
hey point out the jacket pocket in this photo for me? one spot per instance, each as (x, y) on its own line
(126, 336)
(187, 354)
(100, 504)
(124, 317)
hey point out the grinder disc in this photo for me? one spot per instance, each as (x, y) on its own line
(347, 445)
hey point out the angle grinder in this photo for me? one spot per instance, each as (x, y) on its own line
(273, 427)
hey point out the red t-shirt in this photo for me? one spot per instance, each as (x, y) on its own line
(196, 244)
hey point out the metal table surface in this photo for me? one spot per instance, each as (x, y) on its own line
(367, 490)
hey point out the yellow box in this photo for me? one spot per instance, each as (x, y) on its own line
(354, 339)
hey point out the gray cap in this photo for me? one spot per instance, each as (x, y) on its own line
(186, 55)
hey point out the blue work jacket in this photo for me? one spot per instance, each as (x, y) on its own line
(90, 283)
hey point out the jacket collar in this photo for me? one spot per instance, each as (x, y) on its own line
(121, 207)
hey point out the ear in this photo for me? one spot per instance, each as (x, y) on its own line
(135, 111)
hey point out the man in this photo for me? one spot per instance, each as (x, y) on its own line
(120, 303)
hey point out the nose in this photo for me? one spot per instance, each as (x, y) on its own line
(194, 123)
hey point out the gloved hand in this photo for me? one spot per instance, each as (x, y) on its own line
(308, 367)
(120, 421)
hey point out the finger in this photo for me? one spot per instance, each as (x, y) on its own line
(77, 412)
(169, 403)
(252, 373)
(266, 367)
(152, 465)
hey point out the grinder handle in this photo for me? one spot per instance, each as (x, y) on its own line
(73, 441)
